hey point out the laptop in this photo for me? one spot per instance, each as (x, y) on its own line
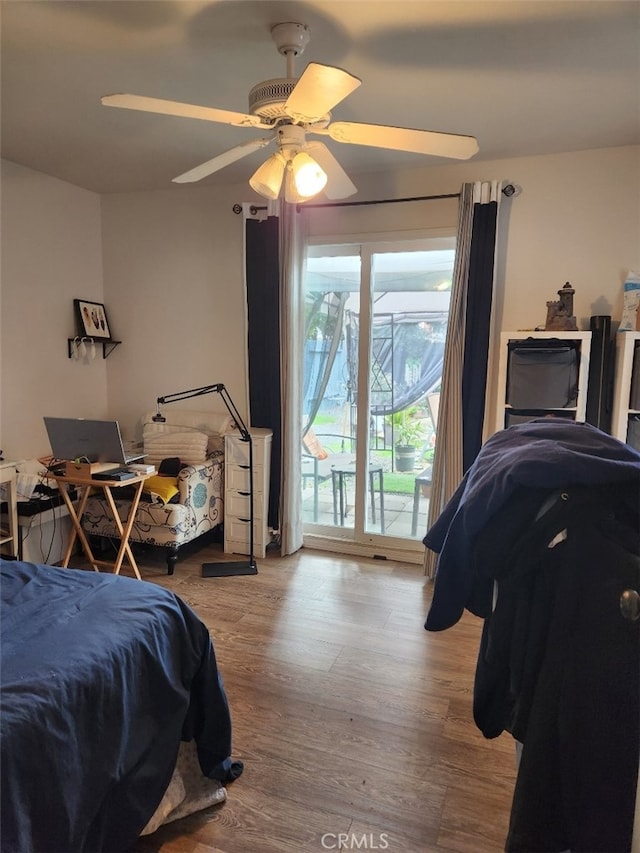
(95, 441)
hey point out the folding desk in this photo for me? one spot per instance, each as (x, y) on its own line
(84, 486)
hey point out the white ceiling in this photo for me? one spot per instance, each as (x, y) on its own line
(524, 77)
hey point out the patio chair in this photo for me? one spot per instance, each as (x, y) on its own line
(318, 462)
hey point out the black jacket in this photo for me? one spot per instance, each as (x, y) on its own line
(558, 665)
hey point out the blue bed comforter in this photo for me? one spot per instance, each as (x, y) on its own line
(102, 677)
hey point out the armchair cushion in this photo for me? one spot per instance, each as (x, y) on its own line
(312, 443)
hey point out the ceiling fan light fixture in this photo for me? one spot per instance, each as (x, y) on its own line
(291, 194)
(290, 108)
(307, 174)
(267, 179)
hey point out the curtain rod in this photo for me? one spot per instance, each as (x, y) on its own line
(508, 190)
(378, 201)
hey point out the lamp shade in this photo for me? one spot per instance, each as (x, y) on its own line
(291, 194)
(267, 179)
(308, 177)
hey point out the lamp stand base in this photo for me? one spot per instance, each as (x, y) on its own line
(223, 570)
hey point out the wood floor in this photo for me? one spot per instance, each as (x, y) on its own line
(354, 723)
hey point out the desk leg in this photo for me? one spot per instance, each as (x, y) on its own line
(77, 531)
(381, 483)
(125, 530)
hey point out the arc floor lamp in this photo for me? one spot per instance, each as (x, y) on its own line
(222, 568)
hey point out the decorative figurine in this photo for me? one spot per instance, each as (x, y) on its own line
(560, 314)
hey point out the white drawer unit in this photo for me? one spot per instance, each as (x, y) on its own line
(237, 492)
(625, 421)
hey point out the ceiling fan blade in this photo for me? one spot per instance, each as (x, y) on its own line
(404, 139)
(318, 90)
(339, 185)
(222, 160)
(175, 108)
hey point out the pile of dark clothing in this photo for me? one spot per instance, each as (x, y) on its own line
(541, 540)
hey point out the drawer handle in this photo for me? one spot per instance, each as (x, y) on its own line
(244, 494)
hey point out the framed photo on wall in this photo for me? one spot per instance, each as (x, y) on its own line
(92, 319)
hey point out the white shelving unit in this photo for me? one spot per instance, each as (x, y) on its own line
(9, 532)
(237, 492)
(577, 412)
(626, 376)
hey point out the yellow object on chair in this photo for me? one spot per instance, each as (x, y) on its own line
(161, 489)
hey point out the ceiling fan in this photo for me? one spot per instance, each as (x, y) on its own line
(291, 108)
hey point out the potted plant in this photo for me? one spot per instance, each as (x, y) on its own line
(408, 433)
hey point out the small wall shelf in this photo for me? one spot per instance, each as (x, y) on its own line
(108, 346)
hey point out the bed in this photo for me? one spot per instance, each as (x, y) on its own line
(103, 678)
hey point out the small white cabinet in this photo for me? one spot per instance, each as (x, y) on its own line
(527, 407)
(9, 533)
(237, 493)
(625, 419)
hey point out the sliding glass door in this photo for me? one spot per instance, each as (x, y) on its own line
(375, 327)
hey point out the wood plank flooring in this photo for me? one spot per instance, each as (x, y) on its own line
(354, 723)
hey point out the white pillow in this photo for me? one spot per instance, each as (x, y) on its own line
(190, 447)
(213, 424)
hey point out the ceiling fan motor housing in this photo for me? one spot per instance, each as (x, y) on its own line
(267, 99)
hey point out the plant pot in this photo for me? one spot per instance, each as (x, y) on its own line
(405, 457)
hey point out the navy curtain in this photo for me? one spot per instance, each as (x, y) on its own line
(464, 373)
(477, 325)
(263, 341)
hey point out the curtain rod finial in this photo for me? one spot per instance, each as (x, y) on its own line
(511, 189)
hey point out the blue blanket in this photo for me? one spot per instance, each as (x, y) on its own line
(102, 677)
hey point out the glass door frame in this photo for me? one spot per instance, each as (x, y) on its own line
(370, 543)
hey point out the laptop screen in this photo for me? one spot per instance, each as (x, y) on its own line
(80, 438)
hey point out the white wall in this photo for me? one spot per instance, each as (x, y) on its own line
(51, 254)
(173, 273)
(174, 284)
(577, 220)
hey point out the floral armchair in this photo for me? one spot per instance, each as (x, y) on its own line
(172, 510)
